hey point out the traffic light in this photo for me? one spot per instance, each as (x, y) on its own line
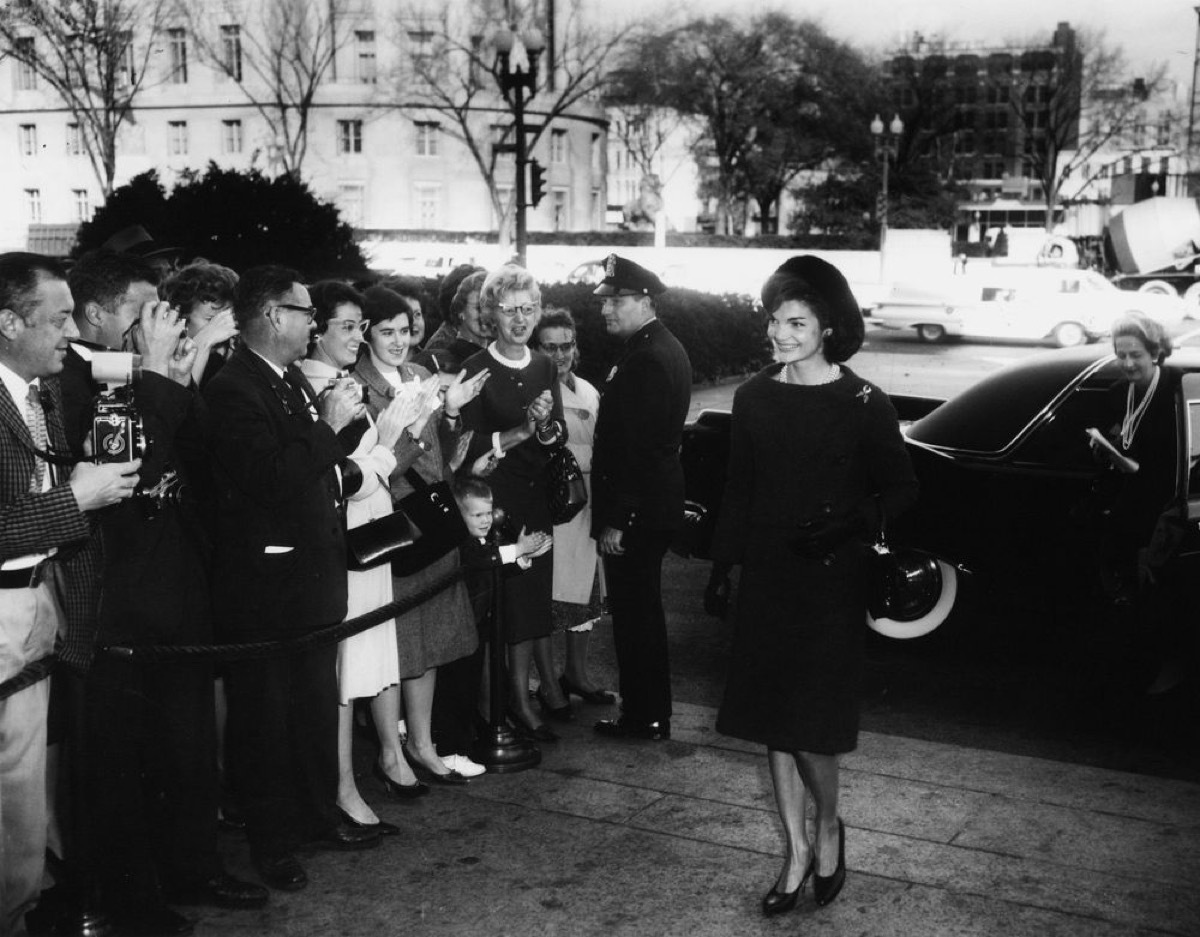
(537, 182)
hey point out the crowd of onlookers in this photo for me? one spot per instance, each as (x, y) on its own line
(277, 414)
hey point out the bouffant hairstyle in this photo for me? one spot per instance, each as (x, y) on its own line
(448, 288)
(200, 282)
(467, 287)
(327, 295)
(821, 287)
(382, 305)
(1147, 331)
(507, 279)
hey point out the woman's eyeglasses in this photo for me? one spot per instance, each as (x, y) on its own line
(551, 349)
(525, 309)
(349, 326)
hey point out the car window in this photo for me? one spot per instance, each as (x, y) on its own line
(1191, 393)
(989, 416)
(1060, 440)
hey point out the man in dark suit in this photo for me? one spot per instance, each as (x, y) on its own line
(637, 488)
(42, 510)
(280, 572)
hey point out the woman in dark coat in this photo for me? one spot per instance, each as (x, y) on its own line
(1142, 532)
(518, 418)
(815, 455)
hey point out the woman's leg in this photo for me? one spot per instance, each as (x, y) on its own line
(418, 710)
(820, 773)
(385, 713)
(543, 656)
(791, 799)
(520, 663)
(348, 797)
(576, 669)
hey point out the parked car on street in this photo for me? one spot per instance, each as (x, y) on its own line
(1004, 468)
(1065, 307)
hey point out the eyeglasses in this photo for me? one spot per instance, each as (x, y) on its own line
(350, 326)
(525, 309)
(309, 311)
(551, 349)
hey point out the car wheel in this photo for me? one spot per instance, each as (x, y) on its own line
(938, 613)
(1157, 287)
(1069, 334)
(931, 333)
(1191, 302)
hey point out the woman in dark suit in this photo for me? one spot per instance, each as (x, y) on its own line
(816, 454)
(518, 419)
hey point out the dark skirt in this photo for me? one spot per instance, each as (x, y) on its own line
(796, 663)
(437, 631)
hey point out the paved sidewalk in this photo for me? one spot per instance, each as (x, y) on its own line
(681, 838)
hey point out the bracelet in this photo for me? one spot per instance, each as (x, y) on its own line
(497, 449)
(453, 420)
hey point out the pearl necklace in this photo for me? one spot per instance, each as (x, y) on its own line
(831, 375)
(1133, 415)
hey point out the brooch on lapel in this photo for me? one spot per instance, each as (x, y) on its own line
(865, 394)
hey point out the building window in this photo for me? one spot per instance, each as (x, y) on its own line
(177, 138)
(993, 168)
(964, 142)
(429, 206)
(349, 136)
(558, 146)
(27, 135)
(231, 136)
(364, 56)
(1164, 165)
(597, 155)
(74, 140)
(33, 205)
(83, 207)
(231, 51)
(1164, 132)
(177, 41)
(597, 209)
(26, 74)
(559, 208)
(421, 41)
(427, 138)
(126, 71)
(351, 200)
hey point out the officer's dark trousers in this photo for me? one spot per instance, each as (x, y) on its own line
(634, 581)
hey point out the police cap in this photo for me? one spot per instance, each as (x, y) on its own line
(625, 278)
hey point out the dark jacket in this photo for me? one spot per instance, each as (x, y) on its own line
(637, 478)
(281, 564)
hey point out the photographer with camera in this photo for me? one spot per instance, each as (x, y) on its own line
(43, 511)
(150, 767)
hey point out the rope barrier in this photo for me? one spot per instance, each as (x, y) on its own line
(33, 672)
(328, 634)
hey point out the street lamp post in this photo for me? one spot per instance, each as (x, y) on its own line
(518, 86)
(885, 148)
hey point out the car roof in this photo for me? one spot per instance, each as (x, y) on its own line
(991, 415)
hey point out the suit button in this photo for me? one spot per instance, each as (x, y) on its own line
(826, 508)
(827, 559)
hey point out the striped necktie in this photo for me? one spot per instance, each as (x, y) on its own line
(36, 417)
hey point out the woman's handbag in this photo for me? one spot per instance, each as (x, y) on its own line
(424, 526)
(566, 491)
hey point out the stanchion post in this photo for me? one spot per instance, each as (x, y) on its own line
(499, 748)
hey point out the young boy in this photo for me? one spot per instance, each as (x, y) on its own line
(458, 685)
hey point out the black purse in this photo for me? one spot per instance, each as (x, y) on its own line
(566, 491)
(423, 527)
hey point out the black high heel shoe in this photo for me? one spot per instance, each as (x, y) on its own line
(542, 733)
(779, 902)
(563, 713)
(398, 790)
(424, 774)
(600, 697)
(380, 827)
(826, 887)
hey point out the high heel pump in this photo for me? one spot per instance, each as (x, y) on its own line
(600, 697)
(542, 733)
(381, 827)
(398, 790)
(425, 774)
(563, 713)
(826, 887)
(779, 902)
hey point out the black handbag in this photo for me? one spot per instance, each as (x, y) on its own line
(423, 527)
(566, 491)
